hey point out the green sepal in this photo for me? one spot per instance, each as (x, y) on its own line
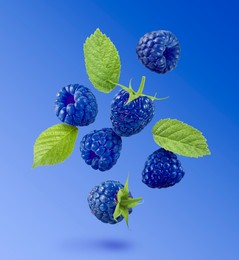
(135, 94)
(124, 203)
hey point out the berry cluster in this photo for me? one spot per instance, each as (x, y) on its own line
(129, 119)
(76, 105)
(101, 148)
(103, 200)
(159, 51)
(130, 112)
(162, 169)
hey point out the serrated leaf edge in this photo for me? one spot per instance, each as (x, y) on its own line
(201, 152)
(35, 163)
(117, 60)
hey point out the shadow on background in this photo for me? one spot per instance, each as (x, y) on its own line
(101, 244)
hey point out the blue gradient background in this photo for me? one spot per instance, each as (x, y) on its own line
(44, 212)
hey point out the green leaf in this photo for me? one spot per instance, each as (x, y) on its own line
(180, 138)
(102, 61)
(54, 145)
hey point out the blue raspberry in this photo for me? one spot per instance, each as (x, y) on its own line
(111, 201)
(129, 119)
(101, 148)
(103, 200)
(76, 105)
(159, 51)
(162, 169)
